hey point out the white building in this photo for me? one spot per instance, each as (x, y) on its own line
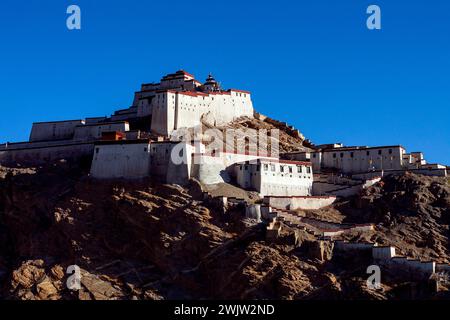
(276, 177)
(167, 162)
(54, 130)
(363, 159)
(121, 159)
(180, 101)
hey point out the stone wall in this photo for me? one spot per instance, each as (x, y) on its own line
(56, 130)
(304, 203)
(43, 153)
(121, 160)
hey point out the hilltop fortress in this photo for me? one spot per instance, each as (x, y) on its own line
(139, 142)
(180, 101)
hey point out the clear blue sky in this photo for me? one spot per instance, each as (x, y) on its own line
(311, 63)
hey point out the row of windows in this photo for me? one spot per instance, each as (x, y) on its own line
(352, 154)
(283, 168)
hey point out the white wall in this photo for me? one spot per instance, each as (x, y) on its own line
(58, 130)
(212, 169)
(121, 160)
(276, 177)
(173, 110)
(305, 203)
(363, 160)
(45, 153)
(94, 131)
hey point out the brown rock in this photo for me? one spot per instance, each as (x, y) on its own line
(46, 290)
(28, 274)
(57, 272)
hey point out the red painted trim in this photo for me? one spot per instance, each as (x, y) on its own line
(242, 91)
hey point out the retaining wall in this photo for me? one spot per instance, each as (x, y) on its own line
(304, 203)
(45, 153)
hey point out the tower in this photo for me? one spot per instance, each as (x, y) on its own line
(211, 84)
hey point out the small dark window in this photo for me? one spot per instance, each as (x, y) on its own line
(290, 169)
(281, 168)
(334, 155)
(368, 153)
(96, 150)
(145, 149)
(314, 155)
(390, 151)
(351, 154)
(299, 169)
(342, 155)
(258, 167)
(379, 151)
(272, 167)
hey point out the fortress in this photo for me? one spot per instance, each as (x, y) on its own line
(140, 141)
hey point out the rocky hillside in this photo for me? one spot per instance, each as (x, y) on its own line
(150, 241)
(412, 213)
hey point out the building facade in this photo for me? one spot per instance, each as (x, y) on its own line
(180, 101)
(363, 159)
(271, 177)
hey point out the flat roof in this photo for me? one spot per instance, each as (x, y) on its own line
(237, 90)
(360, 148)
(118, 142)
(42, 122)
(274, 160)
(101, 123)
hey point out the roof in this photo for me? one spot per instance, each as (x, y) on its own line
(102, 123)
(78, 120)
(112, 142)
(237, 90)
(274, 160)
(362, 148)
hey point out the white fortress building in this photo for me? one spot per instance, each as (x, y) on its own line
(363, 159)
(180, 101)
(140, 142)
(274, 177)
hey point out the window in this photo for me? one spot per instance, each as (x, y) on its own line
(314, 155)
(379, 151)
(272, 167)
(308, 169)
(390, 151)
(266, 167)
(299, 169)
(342, 155)
(351, 154)
(368, 153)
(145, 149)
(258, 167)
(281, 168)
(96, 150)
(290, 169)
(334, 155)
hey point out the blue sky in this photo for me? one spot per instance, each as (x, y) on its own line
(313, 64)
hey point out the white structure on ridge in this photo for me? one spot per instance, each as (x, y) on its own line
(276, 177)
(363, 159)
(177, 162)
(180, 101)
